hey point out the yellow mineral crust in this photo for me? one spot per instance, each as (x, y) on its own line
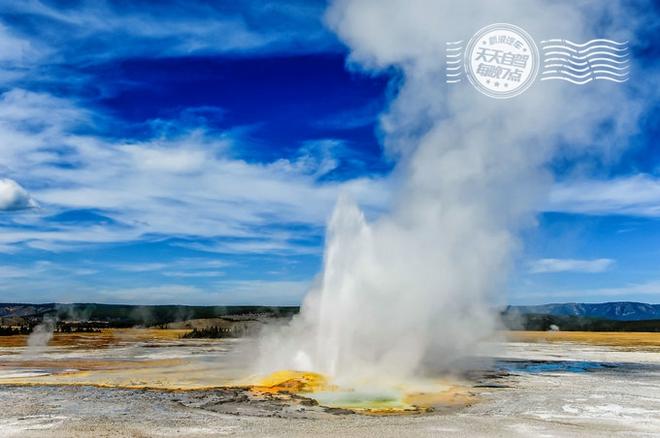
(293, 381)
(401, 400)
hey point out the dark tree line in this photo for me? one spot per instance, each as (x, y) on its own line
(214, 332)
(11, 331)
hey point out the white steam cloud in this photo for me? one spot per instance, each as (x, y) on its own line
(41, 336)
(417, 285)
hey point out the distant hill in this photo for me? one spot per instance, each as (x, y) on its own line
(618, 316)
(615, 311)
(124, 315)
(9, 310)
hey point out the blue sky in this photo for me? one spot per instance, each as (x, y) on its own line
(192, 152)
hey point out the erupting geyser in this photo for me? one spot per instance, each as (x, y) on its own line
(417, 286)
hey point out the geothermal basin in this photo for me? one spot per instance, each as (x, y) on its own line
(147, 382)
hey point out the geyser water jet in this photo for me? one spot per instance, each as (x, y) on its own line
(417, 286)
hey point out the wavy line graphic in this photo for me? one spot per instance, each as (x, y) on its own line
(454, 61)
(580, 63)
(597, 40)
(562, 78)
(588, 68)
(586, 75)
(582, 58)
(611, 63)
(614, 49)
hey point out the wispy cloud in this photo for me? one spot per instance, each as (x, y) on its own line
(225, 293)
(194, 274)
(187, 184)
(543, 266)
(184, 267)
(93, 31)
(273, 244)
(139, 267)
(636, 195)
(7, 272)
(354, 118)
(40, 267)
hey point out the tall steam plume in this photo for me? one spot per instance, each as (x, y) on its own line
(417, 285)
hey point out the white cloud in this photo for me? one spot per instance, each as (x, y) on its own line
(226, 293)
(189, 185)
(185, 267)
(13, 49)
(269, 293)
(105, 30)
(194, 274)
(271, 245)
(636, 195)
(7, 272)
(13, 196)
(543, 266)
(139, 267)
(162, 294)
